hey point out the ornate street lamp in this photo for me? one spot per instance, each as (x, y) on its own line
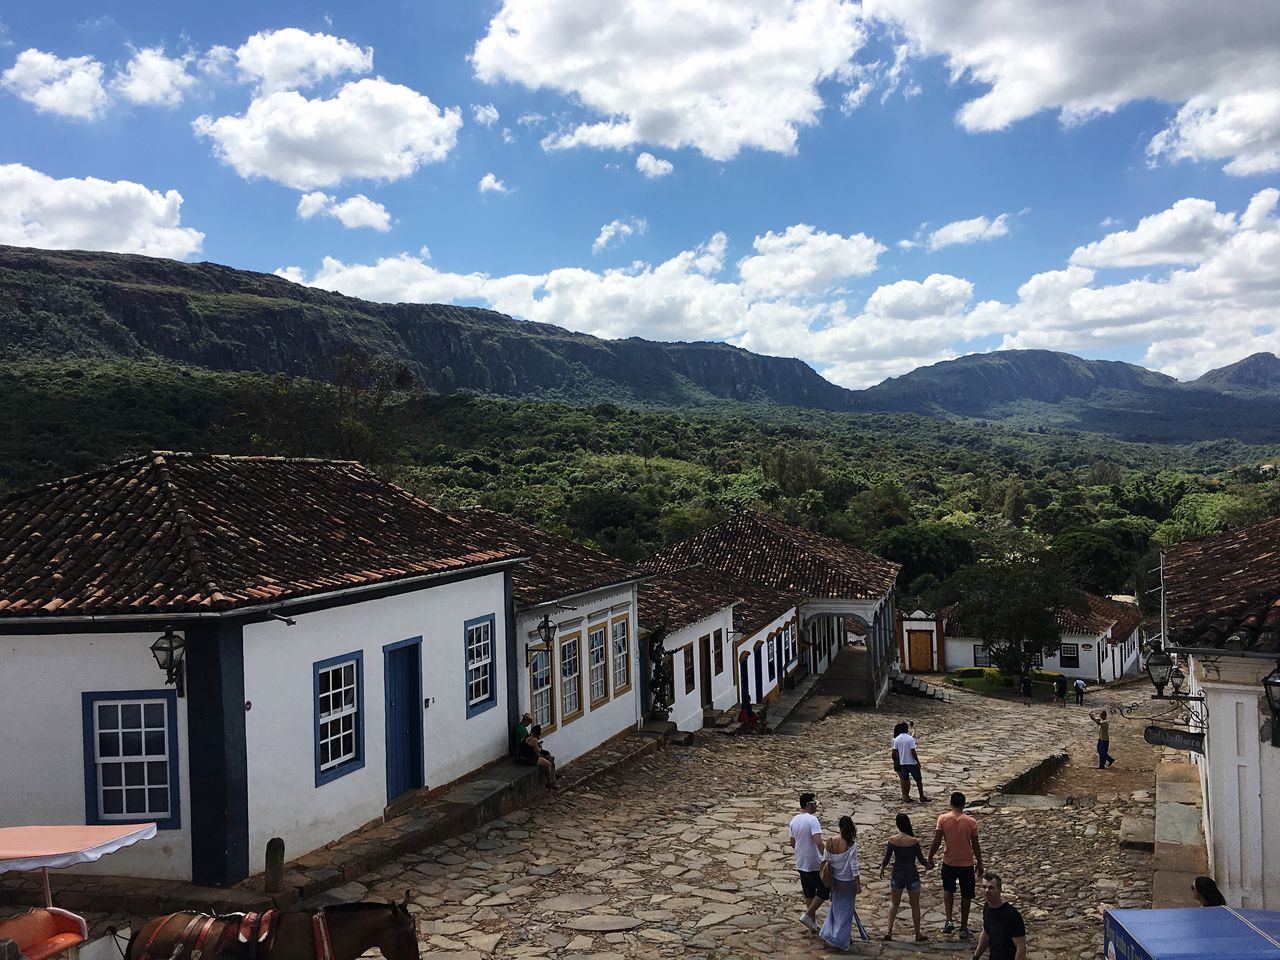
(1177, 679)
(169, 649)
(1271, 685)
(546, 635)
(1159, 668)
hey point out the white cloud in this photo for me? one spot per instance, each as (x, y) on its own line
(802, 261)
(71, 87)
(292, 59)
(508, 136)
(486, 114)
(1221, 63)
(371, 129)
(720, 76)
(653, 167)
(618, 230)
(491, 184)
(1185, 233)
(151, 78)
(121, 216)
(357, 211)
(969, 231)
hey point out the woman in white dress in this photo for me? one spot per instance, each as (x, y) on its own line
(842, 861)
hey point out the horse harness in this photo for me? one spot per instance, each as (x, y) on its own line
(244, 936)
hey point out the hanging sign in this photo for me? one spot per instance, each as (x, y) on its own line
(1177, 739)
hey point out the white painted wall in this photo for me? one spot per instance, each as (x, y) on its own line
(1240, 777)
(597, 724)
(960, 654)
(284, 800)
(686, 708)
(726, 693)
(42, 740)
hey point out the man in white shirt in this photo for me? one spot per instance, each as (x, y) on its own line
(908, 762)
(811, 849)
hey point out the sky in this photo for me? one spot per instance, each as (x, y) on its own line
(869, 187)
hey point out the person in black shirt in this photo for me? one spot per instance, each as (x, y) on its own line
(1002, 927)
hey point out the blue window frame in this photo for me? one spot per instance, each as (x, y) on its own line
(131, 757)
(479, 659)
(338, 706)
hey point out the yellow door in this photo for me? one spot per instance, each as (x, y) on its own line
(919, 650)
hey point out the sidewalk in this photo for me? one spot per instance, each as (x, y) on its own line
(455, 809)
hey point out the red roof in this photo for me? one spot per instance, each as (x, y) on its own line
(557, 566)
(753, 547)
(1224, 590)
(697, 586)
(179, 533)
(683, 597)
(1101, 614)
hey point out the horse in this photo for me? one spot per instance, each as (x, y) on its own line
(350, 929)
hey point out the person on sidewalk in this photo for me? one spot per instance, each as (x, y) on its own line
(810, 849)
(1080, 691)
(904, 850)
(908, 763)
(1060, 690)
(957, 834)
(846, 884)
(1026, 689)
(1105, 759)
(1002, 928)
(530, 753)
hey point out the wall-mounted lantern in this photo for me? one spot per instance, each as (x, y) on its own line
(546, 636)
(169, 649)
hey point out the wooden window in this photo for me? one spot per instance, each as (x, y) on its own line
(621, 655)
(541, 675)
(773, 659)
(689, 672)
(980, 656)
(134, 763)
(1069, 655)
(717, 646)
(481, 692)
(571, 677)
(1037, 660)
(789, 644)
(338, 708)
(598, 664)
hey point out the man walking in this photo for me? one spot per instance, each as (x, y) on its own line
(1079, 691)
(961, 861)
(904, 745)
(1026, 689)
(1060, 690)
(1002, 927)
(1105, 759)
(807, 842)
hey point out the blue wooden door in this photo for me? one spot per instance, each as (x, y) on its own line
(403, 673)
(759, 659)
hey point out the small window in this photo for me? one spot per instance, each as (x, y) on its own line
(337, 685)
(773, 660)
(540, 697)
(131, 757)
(980, 656)
(1037, 659)
(598, 663)
(571, 677)
(717, 646)
(789, 644)
(1069, 655)
(688, 669)
(481, 689)
(621, 656)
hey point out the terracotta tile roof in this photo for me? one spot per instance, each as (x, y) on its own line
(757, 548)
(181, 533)
(683, 597)
(757, 606)
(1224, 590)
(557, 566)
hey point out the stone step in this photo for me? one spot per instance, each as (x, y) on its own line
(1178, 823)
(1138, 833)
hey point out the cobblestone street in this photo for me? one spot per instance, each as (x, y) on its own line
(685, 854)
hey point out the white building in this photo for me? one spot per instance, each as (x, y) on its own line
(1222, 611)
(833, 584)
(343, 644)
(1102, 644)
(585, 690)
(726, 639)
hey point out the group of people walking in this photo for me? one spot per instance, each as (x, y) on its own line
(829, 870)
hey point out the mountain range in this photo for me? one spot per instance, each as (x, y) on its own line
(99, 306)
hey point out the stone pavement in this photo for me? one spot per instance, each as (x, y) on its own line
(682, 853)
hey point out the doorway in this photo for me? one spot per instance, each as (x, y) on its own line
(704, 664)
(402, 677)
(920, 650)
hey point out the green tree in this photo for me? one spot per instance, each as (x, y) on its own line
(928, 548)
(1013, 607)
(1094, 562)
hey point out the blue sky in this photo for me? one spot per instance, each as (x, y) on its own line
(867, 187)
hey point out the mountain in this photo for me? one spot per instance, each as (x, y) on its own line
(102, 307)
(1256, 374)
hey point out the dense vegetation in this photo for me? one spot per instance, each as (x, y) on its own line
(933, 494)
